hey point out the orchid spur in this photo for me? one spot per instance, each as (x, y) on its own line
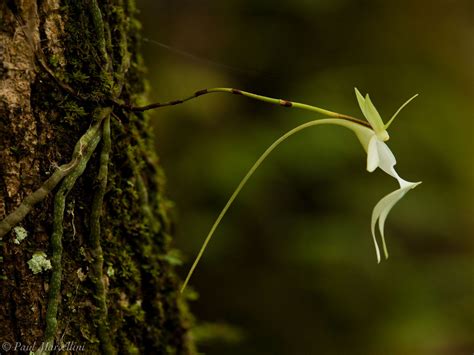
(372, 135)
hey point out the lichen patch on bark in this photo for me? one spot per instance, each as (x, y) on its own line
(92, 46)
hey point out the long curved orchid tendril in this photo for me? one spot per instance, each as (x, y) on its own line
(335, 121)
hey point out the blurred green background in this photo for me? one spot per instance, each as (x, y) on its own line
(292, 268)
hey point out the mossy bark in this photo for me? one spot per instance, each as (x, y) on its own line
(111, 282)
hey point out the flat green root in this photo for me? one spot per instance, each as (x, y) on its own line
(15, 217)
(95, 234)
(56, 238)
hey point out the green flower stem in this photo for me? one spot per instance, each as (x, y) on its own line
(280, 102)
(340, 122)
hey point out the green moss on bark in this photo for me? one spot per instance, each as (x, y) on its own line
(101, 61)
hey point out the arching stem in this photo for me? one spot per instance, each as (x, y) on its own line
(280, 102)
(340, 122)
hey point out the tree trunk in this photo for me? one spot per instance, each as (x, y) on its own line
(93, 271)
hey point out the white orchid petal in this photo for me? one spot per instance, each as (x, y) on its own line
(373, 115)
(377, 250)
(373, 159)
(364, 134)
(404, 183)
(383, 207)
(361, 101)
(387, 160)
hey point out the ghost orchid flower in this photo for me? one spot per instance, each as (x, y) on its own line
(380, 156)
(372, 136)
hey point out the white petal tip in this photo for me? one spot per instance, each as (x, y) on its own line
(377, 251)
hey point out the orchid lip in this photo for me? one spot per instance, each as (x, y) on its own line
(382, 209)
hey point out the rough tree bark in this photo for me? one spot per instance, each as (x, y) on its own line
(111, 288)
